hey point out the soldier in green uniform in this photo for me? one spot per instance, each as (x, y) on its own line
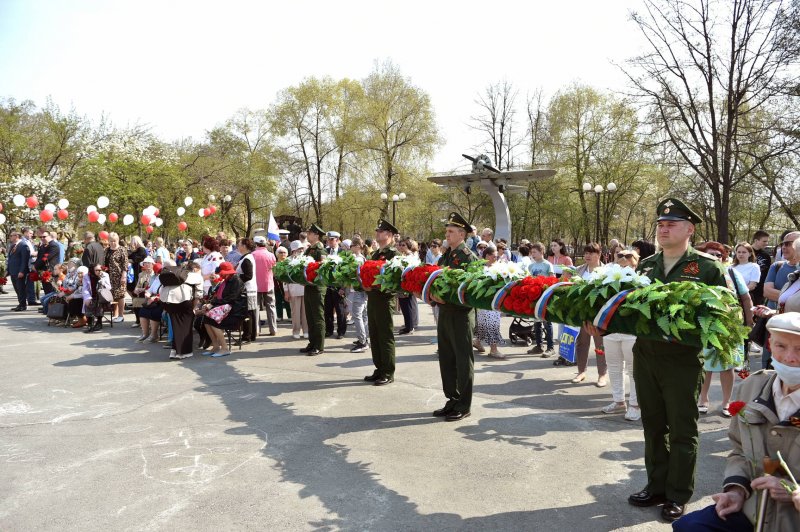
(669, 376)
(380, 318)
(314, 299)
(454, 330)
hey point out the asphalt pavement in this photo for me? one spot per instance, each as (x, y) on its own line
(100, 433)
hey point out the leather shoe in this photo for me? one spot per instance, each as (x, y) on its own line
(672, 511)
(456, 416)
(314, 352)
(372, 378)
(444, 411)
(645, 498)
(19, 309)
(383, 381)
(307, 349)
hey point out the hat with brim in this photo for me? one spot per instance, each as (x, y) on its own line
(674, 210)
(317, 230)
(148, 260)
(383, 225)
(456, 220)
(226, 269)
(334, 234)
(788, 322)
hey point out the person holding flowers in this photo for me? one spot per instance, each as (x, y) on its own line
(765, 437)
(668, 376)
(313, 297)
(379, 312)
(455, 330)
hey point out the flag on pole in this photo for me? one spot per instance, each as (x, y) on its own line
(272, 229)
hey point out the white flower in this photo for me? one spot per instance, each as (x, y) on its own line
(302, 260)
(614, 273)
(505, 270)
(336, 259)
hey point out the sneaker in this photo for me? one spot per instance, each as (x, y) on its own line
(181, 357)
(633, 413)
(613, 408)
(548, 352)
(173, 355)
(537, 350)
(118, 319)
(360, 348)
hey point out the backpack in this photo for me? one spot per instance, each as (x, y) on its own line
(173, 276)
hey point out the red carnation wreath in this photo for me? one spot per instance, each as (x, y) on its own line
(414, 279)
(524, 294)
(369, 271)
(311, 271)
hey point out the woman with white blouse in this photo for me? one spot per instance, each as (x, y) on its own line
(212, 258)
(744, 262)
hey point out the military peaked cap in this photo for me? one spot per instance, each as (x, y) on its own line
(383, 225)
(457, 220)
(316, 230)
(675, 210)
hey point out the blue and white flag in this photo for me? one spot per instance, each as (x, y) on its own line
(272, 229)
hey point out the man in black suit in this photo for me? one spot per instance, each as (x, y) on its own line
(334, 297)
(47, 258)
(18, 266)
(93, 251)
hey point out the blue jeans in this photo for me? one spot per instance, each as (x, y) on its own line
(46, 301)
(708, 520)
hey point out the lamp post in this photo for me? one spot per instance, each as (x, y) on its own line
(598, 190)
(395, 199)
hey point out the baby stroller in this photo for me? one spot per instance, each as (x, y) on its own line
(520, 332)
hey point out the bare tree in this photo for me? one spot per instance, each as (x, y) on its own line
(716, 77)
(496, 122)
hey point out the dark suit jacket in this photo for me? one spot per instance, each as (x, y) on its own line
(93, 254)
(19, 259)
(47, 256)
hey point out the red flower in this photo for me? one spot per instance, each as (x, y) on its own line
(311, 271)
(369, 271)
(33, 277)
(414, 280)
(523, 296)
(735, 407)
(3, 281)
(46, 276)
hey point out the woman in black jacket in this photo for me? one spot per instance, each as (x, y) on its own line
(230, 291)
(136, 254)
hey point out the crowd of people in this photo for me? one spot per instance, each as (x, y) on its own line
(198, 293)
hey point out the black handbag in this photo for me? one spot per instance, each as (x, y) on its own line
(57, 311)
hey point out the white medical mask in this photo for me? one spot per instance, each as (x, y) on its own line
(788, 374)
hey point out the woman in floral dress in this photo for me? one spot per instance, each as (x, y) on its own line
(117, 264)
(487, 327)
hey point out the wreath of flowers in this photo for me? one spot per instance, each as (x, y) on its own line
(414, 279)
(369, 271)
(311, 271)
(522, 296)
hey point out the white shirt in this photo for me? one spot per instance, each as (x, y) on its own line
(209, 264)
(750, 272)
(785, 405)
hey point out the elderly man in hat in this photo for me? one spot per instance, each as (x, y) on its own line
(334, 296)
(669, 376)
(380, 319)
(767, 422)
(313, 299)
(454, 330)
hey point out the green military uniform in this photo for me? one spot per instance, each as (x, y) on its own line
(669, 376)
(454, 330)
(314, 302)
(380, 319)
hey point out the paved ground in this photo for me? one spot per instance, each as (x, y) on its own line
(100, 433)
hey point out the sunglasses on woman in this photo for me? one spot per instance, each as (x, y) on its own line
(624, 256)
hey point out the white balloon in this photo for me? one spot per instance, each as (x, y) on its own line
(63, 203)
(159, 222)
(127, 219)
(181, 211)
(50, 207)
(102, 202)
(19, 200)
(200, 213)
(2, 218)
(186, 201)
(101, 219)
(90, 208)
(211, 197)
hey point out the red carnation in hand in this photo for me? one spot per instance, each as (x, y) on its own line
(33, 276)
(46, 276)
(311, 271)
(735, 407)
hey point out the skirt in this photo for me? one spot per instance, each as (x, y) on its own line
(487, 327)
(151, 313)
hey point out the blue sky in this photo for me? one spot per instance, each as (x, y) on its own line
(183, 67)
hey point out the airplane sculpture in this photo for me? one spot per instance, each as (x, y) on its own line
(495, 183)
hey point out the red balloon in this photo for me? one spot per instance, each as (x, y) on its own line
(113, 217)
(156, 213)
(183, 226)
(213, 209)
(103, 235)
(63, 214)
(94, 216)
(1, 207)
(149, 229)
(146, 219)
(45, 216)
(32, 202)
(206, 212)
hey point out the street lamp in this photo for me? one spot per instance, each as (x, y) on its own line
(395, 199)
(598, 190)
